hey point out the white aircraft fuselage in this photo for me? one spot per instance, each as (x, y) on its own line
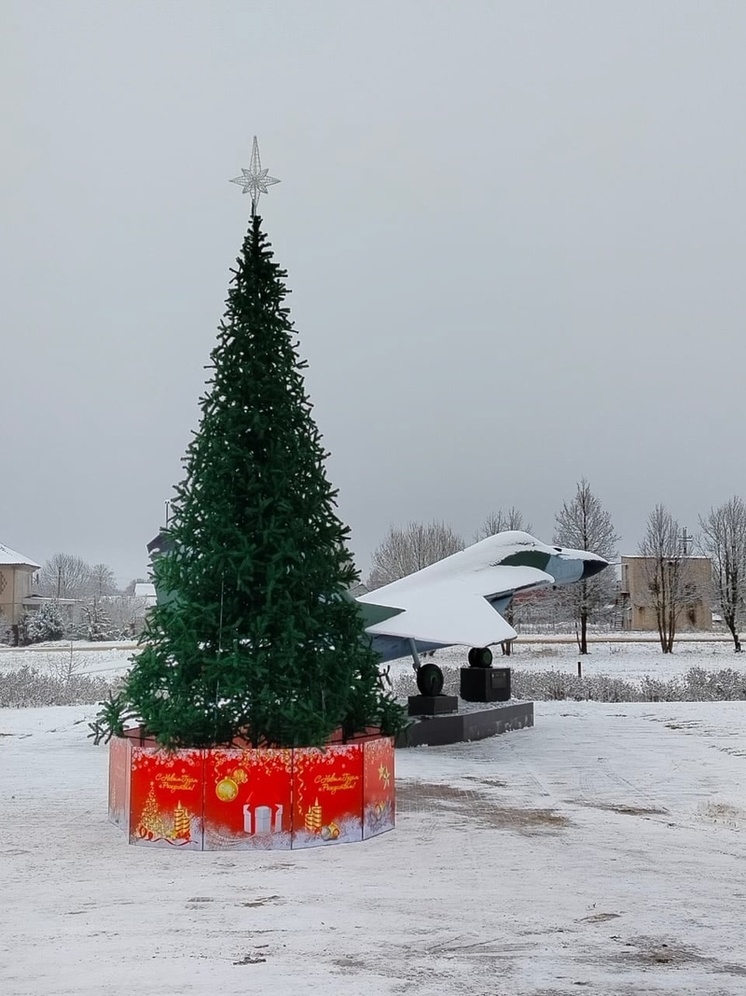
(460, 600)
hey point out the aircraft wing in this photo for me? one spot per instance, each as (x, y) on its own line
(453, 610)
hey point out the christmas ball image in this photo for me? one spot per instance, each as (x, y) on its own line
(226, 790)
(239, 776)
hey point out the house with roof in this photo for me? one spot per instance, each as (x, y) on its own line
(16, 572)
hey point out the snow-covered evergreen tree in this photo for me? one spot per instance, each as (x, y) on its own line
(253, 637)
(46, 623)
(98, 625)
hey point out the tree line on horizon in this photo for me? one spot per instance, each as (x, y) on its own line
(582, 522)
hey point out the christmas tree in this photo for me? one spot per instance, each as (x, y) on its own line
(253, 637)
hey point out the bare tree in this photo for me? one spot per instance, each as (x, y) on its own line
(584, 524)
(102, 581)
(502, 521)
(127, 615)
(724, 542)
(64, 576)
(663, 548)
(407, 550)
(67, 576)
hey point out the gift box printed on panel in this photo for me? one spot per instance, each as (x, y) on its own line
(248, 798)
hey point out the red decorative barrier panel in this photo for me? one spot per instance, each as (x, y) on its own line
(233, 798)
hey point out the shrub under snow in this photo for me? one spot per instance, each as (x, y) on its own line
(697, 685)
(28, 687)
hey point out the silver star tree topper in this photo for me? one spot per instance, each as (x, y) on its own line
(255, 180)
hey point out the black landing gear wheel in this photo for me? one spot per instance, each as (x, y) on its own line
(430, 679)
(480, 657)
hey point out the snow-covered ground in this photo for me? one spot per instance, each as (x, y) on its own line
(618, 656)
(602, 851)
(106, 660)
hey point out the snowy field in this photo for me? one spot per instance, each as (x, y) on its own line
(618, 656)
(602, 851)
(103, 659)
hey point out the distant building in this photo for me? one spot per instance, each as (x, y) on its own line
(146, 591)
(16, 572)
(357, 590)
(638, 610)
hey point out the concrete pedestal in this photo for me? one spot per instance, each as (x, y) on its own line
(432, 705)
(485, 684)
(464, 726)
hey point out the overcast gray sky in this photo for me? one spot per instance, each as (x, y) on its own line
(514, 234)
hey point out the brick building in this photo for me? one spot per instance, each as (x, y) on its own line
(638, 610)
(16, 572)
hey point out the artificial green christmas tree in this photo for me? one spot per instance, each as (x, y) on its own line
(253, 637)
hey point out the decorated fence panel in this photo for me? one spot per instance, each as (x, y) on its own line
(245, 799)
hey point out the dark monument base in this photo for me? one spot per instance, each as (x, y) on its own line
(485, 684)
(432, 705)
(436, 731)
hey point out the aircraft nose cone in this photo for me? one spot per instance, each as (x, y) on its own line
(593, 567)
